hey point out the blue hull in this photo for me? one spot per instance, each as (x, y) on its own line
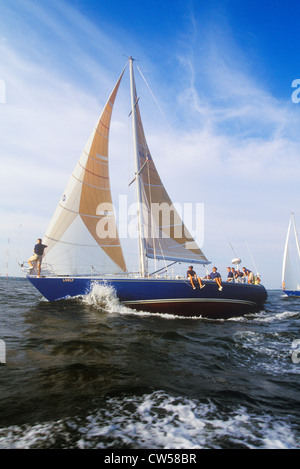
(292, 292)
(175, 297)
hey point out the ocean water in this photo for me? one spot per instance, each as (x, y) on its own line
(89, 373)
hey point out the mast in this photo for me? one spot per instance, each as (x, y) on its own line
(142, 249)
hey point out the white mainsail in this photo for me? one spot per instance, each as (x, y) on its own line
(82, 237)
(291, 259)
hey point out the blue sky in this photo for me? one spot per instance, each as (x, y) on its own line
(222, 74)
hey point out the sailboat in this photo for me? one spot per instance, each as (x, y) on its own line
(84, 248)
(291, 261)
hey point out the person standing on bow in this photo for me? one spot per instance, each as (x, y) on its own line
(37, 256)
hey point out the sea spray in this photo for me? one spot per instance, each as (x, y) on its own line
(103, 296)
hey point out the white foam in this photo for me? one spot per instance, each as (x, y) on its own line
(104, 297)
(276, 316)
(270, 352)
(158, 420)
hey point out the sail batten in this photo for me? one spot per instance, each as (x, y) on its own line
(70, 243)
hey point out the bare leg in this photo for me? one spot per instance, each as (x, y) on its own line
(191, 280)
(200, 282)
(31, 264)
(218, 280)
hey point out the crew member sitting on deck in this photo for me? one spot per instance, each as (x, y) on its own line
(214, 275)
(238, 276)
(248, 274)
(191, 274)
(233, 273)
(230, 276)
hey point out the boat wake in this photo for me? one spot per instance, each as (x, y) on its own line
(158, 420)
(264, 317)
(104, 298)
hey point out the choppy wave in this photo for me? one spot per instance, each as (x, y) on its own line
(157, 420)
(265, 351)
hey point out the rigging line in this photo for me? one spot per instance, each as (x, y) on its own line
(232, 249)
(163, 268)
(139, 172)
(157, 103)
(251, 257)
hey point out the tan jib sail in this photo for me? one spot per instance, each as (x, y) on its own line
(84, 220)
(165, 235)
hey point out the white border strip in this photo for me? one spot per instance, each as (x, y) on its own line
(190, 300)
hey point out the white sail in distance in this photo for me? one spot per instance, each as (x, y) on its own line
(291, 259)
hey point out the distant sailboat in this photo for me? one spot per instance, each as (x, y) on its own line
(291, 261)
(84, 247)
